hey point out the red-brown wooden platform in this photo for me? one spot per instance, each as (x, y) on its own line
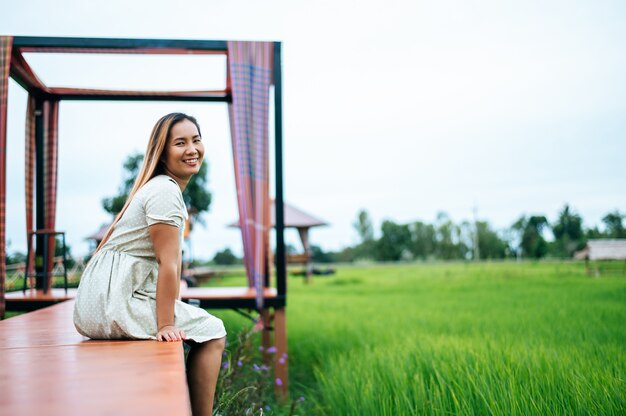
(34, 299)
(210, 293)
(209, 297)
(47, 368)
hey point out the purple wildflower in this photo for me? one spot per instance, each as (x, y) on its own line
(264, 367)
(285, 355)
(261, 348)
(239, 363)
(271, 350)
(256, 367)
(301, 398)
(267, 407)
(225, 364)
(279, 382)
(281, 360)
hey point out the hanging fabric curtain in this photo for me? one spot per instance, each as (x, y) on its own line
(51, 122)
(50, 113)
(29, 163)
(6, 45)
(249, 80)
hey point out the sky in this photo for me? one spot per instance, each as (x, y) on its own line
(402, 108)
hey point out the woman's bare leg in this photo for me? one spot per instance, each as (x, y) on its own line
(203, 367)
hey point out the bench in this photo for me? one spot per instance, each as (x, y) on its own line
(237, 298)
(47, 368)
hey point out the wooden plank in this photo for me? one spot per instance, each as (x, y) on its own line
(56, 295)
(188, 293)
(34, 299)
(47, 368)
(51, 326)
(209, 293)
(210, 297)
(140, 377)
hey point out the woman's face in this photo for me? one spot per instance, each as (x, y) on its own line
(184, 151)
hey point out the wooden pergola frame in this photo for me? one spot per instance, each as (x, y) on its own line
(26, 78)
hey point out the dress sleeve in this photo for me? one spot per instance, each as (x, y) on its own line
(164, 204)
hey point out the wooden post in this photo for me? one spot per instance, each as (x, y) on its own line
(281, 381)
(304, 237)
(266, 336)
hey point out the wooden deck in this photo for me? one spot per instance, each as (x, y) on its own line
(47, 368)
(209, 297)
(34, 299)
(210, 293)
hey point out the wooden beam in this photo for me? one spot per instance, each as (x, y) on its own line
(142, 96)
(36, 43)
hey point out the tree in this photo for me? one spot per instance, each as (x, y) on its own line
(363, 226)
(490, 244)
(530, 230)
(290, 249)
(196, 196)
(58, 252)
(394, 242)
(346, 255)
(423, 240)
(568, 232)
(225, 258)
(16, 257)
(318, 255)
(449, 244)
(366, 249)
(613, 222)
(114, 204)
(593, 233)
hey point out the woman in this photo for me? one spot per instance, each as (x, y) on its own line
(129, 289)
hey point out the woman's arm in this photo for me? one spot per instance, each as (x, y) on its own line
(165, 239)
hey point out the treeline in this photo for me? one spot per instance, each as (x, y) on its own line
(529, 237)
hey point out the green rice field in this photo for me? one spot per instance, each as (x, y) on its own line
(455, 338)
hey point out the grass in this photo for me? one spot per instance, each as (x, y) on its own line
(489, 338)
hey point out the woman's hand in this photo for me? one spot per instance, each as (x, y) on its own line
(171, 333)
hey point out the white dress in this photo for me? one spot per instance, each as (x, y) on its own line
(116, 297)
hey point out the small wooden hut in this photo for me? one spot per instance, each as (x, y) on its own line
(602, 250)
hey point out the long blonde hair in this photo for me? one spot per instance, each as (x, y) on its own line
(152, 164)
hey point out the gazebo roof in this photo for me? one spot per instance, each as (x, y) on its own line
(294, 218)
(99, 235)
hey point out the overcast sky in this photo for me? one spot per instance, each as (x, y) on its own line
(405, 108)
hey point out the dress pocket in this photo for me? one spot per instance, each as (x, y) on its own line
(144, 295)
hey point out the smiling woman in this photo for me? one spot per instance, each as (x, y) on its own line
(129, 289)
(184, 152)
